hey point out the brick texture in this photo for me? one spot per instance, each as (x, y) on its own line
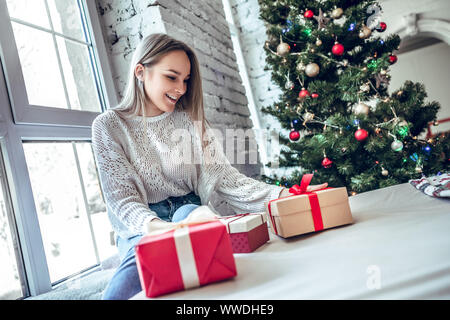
(202, 25)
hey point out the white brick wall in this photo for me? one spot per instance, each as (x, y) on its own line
(252, 35)
(202, 25)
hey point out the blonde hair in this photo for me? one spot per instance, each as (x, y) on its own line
(149, 52)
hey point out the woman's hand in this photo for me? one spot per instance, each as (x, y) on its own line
(158, 224)
(285, 192)
(317, 187)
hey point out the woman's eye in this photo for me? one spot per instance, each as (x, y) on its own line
(171, 78)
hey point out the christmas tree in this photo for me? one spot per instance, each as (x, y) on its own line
(331, 60)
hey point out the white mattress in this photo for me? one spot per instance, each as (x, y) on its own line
(397, 248)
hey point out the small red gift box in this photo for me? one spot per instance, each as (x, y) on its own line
(247, 231)
(184, 258)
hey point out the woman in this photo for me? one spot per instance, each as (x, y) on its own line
(147, 172)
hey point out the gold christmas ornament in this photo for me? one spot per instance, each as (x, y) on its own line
(418, 169)
(361, 108)
(365, 87)
(384, 172)
(308, 116)
(300, 67)
(283, 49)
(337, 13)
(312, 69)
(365, 32)
(403, 123)
(318, 42)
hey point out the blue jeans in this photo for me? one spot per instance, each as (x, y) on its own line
(125, 282)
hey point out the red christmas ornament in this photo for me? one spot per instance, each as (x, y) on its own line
(381, 27)
(392, 59)
(308, 14)
(294, 135)
(314, 95)
(326, 163)
(361, 134)
(303, 93)
(338, 49)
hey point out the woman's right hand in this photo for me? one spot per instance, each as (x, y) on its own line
(157, 224)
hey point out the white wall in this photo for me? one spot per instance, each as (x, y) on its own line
(428, 65)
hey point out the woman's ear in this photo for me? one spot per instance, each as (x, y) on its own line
(139, 72)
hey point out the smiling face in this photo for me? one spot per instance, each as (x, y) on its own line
(165, 82)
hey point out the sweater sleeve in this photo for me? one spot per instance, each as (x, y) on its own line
(242, 193)
(124, 192)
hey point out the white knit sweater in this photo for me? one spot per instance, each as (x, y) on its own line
(142, 162)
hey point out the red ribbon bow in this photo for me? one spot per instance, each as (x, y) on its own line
(313, 200)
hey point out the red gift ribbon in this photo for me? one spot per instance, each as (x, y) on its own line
(313, 201)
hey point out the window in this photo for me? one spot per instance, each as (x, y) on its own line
(54, 80)
(58, 67)
(10, 271)
(70, 207)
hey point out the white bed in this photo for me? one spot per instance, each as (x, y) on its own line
(397, 248)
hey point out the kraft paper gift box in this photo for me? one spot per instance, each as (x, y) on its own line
(309, 212)
(187, 257)
(247, 231)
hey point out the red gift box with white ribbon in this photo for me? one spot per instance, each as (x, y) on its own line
(189, 256)
(248, 231)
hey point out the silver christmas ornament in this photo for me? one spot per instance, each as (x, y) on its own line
(289, 85)
(397, 145)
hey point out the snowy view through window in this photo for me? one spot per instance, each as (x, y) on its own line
(72, 215)
(9, 276)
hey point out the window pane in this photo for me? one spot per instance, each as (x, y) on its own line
(96, 204)
(32, 11)
(66, 18)
(78, 76)
(39, 66)
(65, 189)
(10, 284)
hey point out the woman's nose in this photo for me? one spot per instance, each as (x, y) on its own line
(181, 89)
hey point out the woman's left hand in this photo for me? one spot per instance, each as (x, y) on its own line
(285, 192)
(317, 187)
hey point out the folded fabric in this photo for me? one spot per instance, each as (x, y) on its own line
(436, 186)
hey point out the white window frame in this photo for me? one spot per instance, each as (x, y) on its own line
(20, 122)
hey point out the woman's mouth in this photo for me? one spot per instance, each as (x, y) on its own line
(171, 99)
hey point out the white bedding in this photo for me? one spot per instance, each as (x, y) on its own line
(397, 248)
